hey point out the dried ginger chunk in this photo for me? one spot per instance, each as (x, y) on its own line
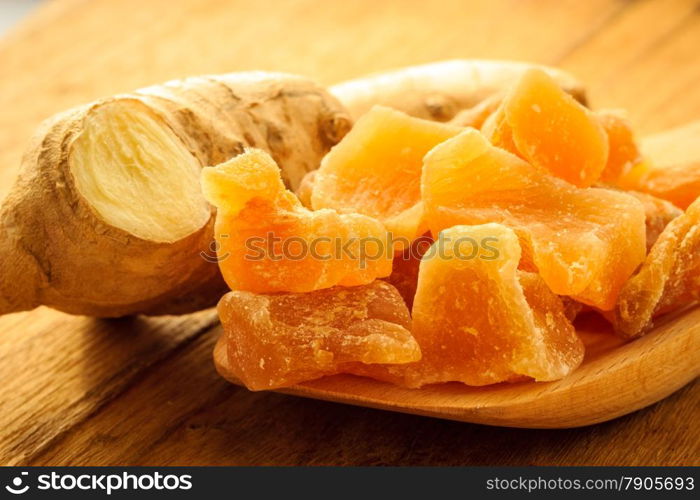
(544, 125)
(671, 169)
(623, 151)
(668, 279)
(585, 243)
(280, 340)
(678, 183)
(268, 242)
(478, 320)
(375, 170)
(552, 317)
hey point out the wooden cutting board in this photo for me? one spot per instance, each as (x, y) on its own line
(143, 390)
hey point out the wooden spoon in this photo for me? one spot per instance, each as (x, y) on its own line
(614, 379)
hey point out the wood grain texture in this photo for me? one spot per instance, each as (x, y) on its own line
(144, 391)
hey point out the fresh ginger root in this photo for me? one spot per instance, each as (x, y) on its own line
(107, 217)
(439, 91)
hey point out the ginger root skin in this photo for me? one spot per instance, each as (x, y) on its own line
(439, 91)
(57, 250)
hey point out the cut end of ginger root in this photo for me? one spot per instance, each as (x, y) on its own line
(137, 174)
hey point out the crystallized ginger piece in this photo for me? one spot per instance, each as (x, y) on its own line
(671, 169)
(280, 340)
(375, 170)
(268, 242)
(584, 243)
(543, 124)
(678, 183)
(623, 151)
(668, 279)
(553, 317)
(478, 320)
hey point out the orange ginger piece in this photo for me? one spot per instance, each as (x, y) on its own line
(623, 151)
(668, 170)
(268, 242)
(671, 169)
(585, 243)
(375, 170)
(544, 125)
(678, 183)
(668, 279)
(280, 340)
(478, 320)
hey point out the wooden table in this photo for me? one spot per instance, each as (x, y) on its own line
(76, 390)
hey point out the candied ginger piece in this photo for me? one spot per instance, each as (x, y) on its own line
(268, 242)
(623, 151)
(547, 127)
(553, 317)
(375, 170)
(496, 129)
(280, 340)
(679, 183)
(478, 320)
(671, 169)
(584, 243)
(668, 279)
